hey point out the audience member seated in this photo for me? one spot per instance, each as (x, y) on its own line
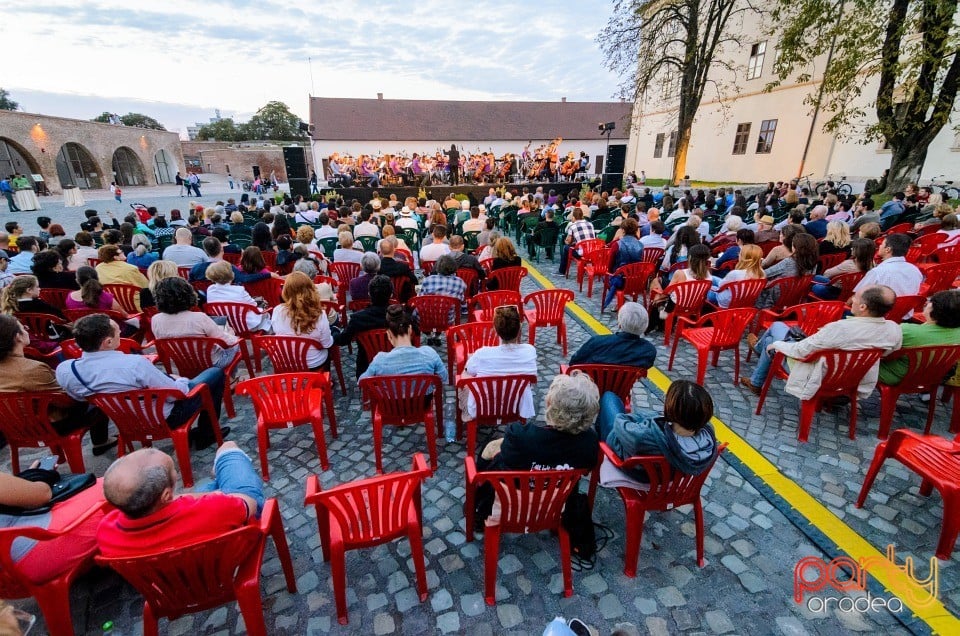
(183, 252)
(91, 295)
(104, 369)
(252, 262)
(682, 435)
(301, 314)
(223, 290)
(365, 227)
(862, 252)
(748, 267)
(698, 260)
(404, 358)
(817, 225)
(765, 231)
(85, 251)
(150, 517)
(156, 273)
(22, 262)
(48, 269)
(732, 253)
(260, 237)
(345, 253)
(866, 329)
(434, 250)
(782, 251)
(22, 295)
(113, 268)
(213, 249)
(802, 261)
(369, 265)
(627, 346)
(942, 327)
(837, 239)
(176, 299)
(504, 255)
(510, 357)
(444, 280)
(463, 259)
(141, 257)
(389, 266)
(624, 250)
(894, 271)
(579, 230)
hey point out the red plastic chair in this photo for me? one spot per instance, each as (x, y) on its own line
(937, 461)
(470, 277)
(508, 278)
(712, 334)
(71, 351)
(427, 267)
(236, 315)
(489, 301)
(233, 259)
(285, 400)
(596, 265)
(924, 246)
(270, 289)
(193, 355)
(288, 354)
(25, 422)
(939, 278)
(487, 264)
(808, 317)
(208, 573)
(357, 305)
(842, 372)
(436, 312)
(846, 283)
(55, 296)
(369, 512)
(269, 258)
(344, 272)
(401, 288)
(39, 326)
(373, 342)
(139, 417)
(652, 255)
(636, 282)
(52, 596)
(669, 489)
(404, 400)
(93, 262)
(743, 293)
(829, 261)
(899, 228)
(463, 340)
(404, 256)
(184, 272)
(581, 249)
(791, 290)
(926, 369)
(904, 308)
(127, 296)
(767, 246)
(948, 254)
(497, 398)
(616, 378)
(74, 315)
(688, 298)
(549, 309)
(530, 501)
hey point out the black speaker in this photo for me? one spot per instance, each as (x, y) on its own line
(256, 172)
(611, 181)
(295, 161)
(616, 158)
(299, 187)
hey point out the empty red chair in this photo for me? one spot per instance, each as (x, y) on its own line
(508, 278)
(688, 298)
(743, 293)
(669, 488)
(127, 296)
(596, 265)
(139, 417)
(939, 278)
(616, 378)
(269, 289)
(52, 596)
(285, 400)
(369, 512)
(463, 340)
(904, 307)
(488, 301)
(581, 249)
(636, 282)
(404, 400)
(712, 334)
(236, 315)
(926, 369)
(55, 296)
(193, 355)
(842, 372)
(652, 255)
(829, 261)
(436, 312)
(470, 277)
(530, 501)
(846, 283)
(549, 309)
(208, 573)
(427, 267)
(497, 398)
(937, 461)
(25, 422)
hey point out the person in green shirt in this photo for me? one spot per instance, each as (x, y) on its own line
(20, 182)
(942, 327)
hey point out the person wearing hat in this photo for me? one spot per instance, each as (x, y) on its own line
(406, 220)
(5, 277)
(765, 231)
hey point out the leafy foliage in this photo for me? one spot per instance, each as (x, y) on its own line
(222, 130)
(273, 121)
(134, 120)
(5, 102)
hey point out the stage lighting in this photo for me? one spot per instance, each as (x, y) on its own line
(604, 127)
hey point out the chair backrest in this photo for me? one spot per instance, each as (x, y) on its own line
(25, 418)
(39, 326)
(191, 578)
(598, 261)
(689, 295)
(233, 259)
(843, 370)
(329, 245)
(904, 305)
(811, 317)
(270, 289)
(357, 305)
(76, 314)
(71, 351)
(269, 258)
(549, 304)
(508, 277)
(590, 245)
(487, 264)
(767, 246)
(473, 335)
(636, 277)
(404, 256)
(374, 341)
(184, 272)
(436, 312)
(236, 314)
(790, 290)
(469, 276)
(401, 399)
(948, 254)
(729, 325)
(846, 283)
(369, 243)
(926, 366)
(126, 295)
(669, 487)
(345, 271)
(940, 277)
(138, 414)
(192, 355)
(652, 254)
(828, 261)
(531, 500)
(285, 396)
(488, 301)
(288, 354)
(497, 396)
(427, 267)
(727, 266)
(616, 378)
(55, 296)
(374, 510)
(470, 240)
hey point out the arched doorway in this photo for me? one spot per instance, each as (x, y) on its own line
(127, 168)
(14, 159)
(164, 168)
(75, 166)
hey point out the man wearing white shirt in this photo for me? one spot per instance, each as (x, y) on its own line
(406, 220)
(474, 223)
(894, 272)
(491, 197)
(365, 227)
(183, 253)
(327, 230)
(437, 248)
(655, 238)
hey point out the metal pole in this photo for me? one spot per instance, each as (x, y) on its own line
(816, 110)
(313, 90)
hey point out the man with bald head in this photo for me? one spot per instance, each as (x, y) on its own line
(183, 252)
(150, 516)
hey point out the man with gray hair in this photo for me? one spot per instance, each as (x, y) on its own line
(627, 346)
(151, 517)
(370, 264)
(395, 269)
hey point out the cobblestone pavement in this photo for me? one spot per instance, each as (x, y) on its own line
(751, 547)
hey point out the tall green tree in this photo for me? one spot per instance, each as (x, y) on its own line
(134, 120)
(222, 130)
(910, 46)
(5, 102)
(654, 43)
(274, 121)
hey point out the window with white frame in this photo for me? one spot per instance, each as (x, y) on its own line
(755, 65)
(768, 128)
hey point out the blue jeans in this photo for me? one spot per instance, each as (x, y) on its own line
(610, 407)
(233, 473)
(184, 409)
(824, 289)
(564, 258)
(776, 333)
(712, 296)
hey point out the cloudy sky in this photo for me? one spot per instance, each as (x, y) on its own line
(177, 61)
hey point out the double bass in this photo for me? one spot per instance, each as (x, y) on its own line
(570, 165)
(553, 154)
(506, 166)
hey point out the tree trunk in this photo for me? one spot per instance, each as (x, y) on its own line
(905, 166)
(680, 156)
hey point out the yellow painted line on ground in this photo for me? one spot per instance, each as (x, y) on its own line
(847, 540)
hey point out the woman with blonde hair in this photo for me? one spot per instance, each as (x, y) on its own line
(748, 267)
(157, 271)
(837, 239)
(301, 314)
(23, 295)
(306, 236)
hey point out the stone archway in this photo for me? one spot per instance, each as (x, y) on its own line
(127, 168)
(164, 167)
(14, 158)
(75, 166)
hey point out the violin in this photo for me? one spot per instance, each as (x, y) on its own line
(505, 167)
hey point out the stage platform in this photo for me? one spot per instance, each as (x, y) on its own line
(477, 193)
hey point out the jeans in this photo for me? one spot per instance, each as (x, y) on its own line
(184, 409)
(616, 284)
(776, 333)
(233, 473)
(10, 202)
(712, 296)
(565, 258)
(610, 407)
(824, 289)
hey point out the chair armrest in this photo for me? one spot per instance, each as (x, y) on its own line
(609, 453)
(313, 489)
(564, 368)
(418, 465)
(470, 467)
(270, 511)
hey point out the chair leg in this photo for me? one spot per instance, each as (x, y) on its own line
(338, 365)
(853, 415)
(888, 407)
(54, 601)
(228, 401)
(562, 336)
(263, 443)
(331, 412)
(247, 361)
(150, 623)
(251, 608)
(808, 409)
(879, 455)
(565, 566)
(430, 428)
(491, 549)
(283, 552)
(468, 510)
(532, 328)
(15, 457)
(635, 515)
(339, 575)
(378, 443)
(931, 409)
(321, 441)
(702, 355)
(673, 351)
(736, 364)
(181, 446)
(698, 516)
(74, 453)
(414, 533)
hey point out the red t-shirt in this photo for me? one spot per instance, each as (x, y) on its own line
(185, 520)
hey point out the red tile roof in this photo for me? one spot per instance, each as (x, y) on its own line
(432, 120)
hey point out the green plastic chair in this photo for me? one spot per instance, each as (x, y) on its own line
(369, 243)
(470, 240)
(329, 244)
